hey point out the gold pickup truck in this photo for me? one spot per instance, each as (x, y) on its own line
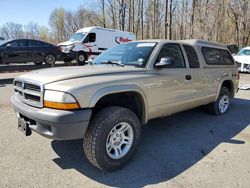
(106, 101)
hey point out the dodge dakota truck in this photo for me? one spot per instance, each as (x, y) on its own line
(107, 101)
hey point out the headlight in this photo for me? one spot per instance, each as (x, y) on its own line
(68, 48)
(60, 100)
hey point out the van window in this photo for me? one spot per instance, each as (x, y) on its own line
(192, 56)
(214, 56)
(77, 37)
(91, 37)
(174, 51)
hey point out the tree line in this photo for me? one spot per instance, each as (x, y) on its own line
(225, 21)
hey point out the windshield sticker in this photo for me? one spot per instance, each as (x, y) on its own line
(147, 44)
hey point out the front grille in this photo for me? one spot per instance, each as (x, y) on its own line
(32, 87)
(18, 84)
(32, 97)
(18, 92)
(29, 92)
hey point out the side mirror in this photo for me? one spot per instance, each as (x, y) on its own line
(165, 62)
(8, 45)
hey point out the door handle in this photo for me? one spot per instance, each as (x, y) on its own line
(188, 77)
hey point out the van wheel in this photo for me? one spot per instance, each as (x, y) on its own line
(112, 138)
(81, 58)
(221, 105)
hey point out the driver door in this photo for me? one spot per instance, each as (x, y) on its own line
(169, 88)
(90, 45)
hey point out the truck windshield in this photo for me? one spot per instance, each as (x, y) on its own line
(77, 37)
(134, 54)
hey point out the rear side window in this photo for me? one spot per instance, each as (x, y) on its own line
(214, 56)
(44, 44)
(33, 43)
(192, 56)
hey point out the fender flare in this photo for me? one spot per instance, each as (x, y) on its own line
(220, 85)
(121, 89)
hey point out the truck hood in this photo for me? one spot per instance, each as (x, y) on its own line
(67, 43)
(51, 75)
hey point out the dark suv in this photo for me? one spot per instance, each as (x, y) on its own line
(28, 50)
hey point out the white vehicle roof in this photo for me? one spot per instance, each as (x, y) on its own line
(246, 48)
(88, 29)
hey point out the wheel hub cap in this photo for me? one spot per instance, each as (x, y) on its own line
(119, 140)
(81, 58)
(224, 104)
(50, 59)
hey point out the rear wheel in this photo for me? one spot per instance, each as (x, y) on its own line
(112, 138)
(50, 59)
(221, 105)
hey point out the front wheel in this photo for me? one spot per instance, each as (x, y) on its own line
(81, 58)
(112, 138)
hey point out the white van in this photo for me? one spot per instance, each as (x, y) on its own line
(89, 42)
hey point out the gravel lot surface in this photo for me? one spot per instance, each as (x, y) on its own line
(189, 149)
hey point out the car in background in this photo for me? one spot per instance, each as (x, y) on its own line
(243, 59)
(28, 50)
(233, 48)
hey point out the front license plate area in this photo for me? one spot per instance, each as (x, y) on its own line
(24, 127)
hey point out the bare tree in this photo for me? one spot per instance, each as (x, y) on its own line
(31, 30)
(225, 21)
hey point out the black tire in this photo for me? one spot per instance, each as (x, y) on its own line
(38, 62)
(214, 108)
(50, 59)
(94, 141)
(81, 58)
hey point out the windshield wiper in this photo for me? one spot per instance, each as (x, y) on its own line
(112, 63)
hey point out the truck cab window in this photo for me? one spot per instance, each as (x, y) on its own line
(173, 51)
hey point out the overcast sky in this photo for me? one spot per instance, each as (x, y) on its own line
(25, 11)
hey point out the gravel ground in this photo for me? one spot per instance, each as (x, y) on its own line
(189, 149)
